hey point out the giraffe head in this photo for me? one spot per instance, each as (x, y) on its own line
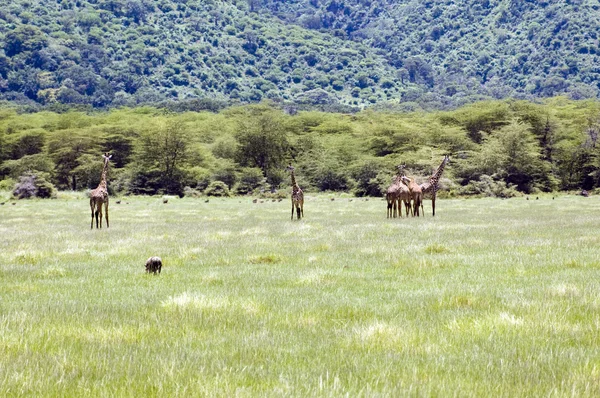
(290, 168)
(107, 156)
(401, 169)
(406, 180)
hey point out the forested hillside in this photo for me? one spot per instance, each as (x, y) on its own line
(453, 48)
(497, 148)
(334, 54)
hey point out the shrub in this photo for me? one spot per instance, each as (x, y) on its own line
(250, 179)
(278, 194)
(487, 186)
(369, 180)
(226, 175)
(328, 179)
(33, 185)
(7, 184)
(217, 188)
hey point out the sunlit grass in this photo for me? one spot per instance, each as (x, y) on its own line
(490, 297)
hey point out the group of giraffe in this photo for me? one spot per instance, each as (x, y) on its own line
(405, 190)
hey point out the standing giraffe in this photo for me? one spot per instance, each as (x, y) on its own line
(432, 185)
(297, 195)
(99, 195)
(396, 194)
(416, 194)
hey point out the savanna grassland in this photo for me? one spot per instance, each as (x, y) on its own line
(489, 298)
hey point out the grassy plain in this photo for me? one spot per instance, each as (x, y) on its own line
(489, 298)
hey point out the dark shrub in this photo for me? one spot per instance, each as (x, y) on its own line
(217, 188)
(250, 179)
(33, 185)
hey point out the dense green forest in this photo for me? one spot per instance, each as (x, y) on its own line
(306, 54)
(497, 148)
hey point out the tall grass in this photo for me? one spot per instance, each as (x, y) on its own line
(489, 298)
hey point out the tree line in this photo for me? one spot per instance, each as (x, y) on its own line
(497, 148)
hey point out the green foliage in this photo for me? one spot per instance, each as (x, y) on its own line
(262, 139)
(548, 146)
(435, 55)
(217, 188)
(28, 163)
(162, 150)
(250, 179)
(487, 186)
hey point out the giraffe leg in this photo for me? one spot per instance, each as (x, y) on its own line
(298, 211)
(100, 214)
(92, 206)
(96, 218)
(302, 208)
(433, 204)
(395, 209)
(292, 209)
(106, 211)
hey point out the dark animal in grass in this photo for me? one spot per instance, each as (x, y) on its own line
(165, 201)
(118, 202)
(154, 265)
(585, 193)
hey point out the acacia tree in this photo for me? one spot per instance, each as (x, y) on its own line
(161, 153)
(262, 139)
(67, 150)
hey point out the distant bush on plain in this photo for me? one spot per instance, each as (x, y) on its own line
(33, 186)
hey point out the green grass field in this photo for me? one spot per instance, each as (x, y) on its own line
(489, 298)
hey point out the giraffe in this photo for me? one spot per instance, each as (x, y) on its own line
(432, 185)
(396, 194)
(99, 195)
(416, 195)
(297, 195)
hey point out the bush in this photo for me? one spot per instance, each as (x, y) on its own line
(278, 194)
(369, 180)
(250, 179)
(226, 175)
(217, 188)
(33, 186)
(7, 184)
(330, 180)
(487, 186)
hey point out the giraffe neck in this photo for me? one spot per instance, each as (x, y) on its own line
(435, 178)
(104, 172)
(294, 185)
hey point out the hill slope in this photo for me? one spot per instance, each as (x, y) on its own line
(435, 53)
